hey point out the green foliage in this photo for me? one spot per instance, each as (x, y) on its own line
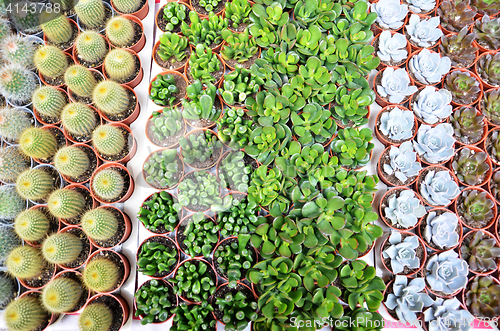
(108, 140)
(17, 83)
(240, 218)
(160, 214)
(155, 302)
(202, 63)
(25, 314)
(108, 184)
(38, 143)
(174, 13)
(238, 85)
(269, 107)
(120, 31)
(266, 141)
(24, 262)
(32, 225)
(91, 46)
(120, 65)
(200, 234)
(353, 147)
(234, 128)
(90, 12)
(200, 148)
(49, 101)
(18, 50)
(13, 122)
(157, 259)
(233, 257)
(352, 106)
(8, 289)
(163, 90)
(283, 60)
(360, 318)
(201, 106)
(200, 189)
(78, 119)
(193, 317)
(238, 309)
(95, 317)
(35, 184)
(234, 174)
(12, 163)
(269, 238)
(66, 203)
(172, 46)
(71, 161)
(8, 242)
(194, 280)
(209, 5)
(101, 274)
(265, 75)
(205, 32)
(163, 169)
(80, 80)
(166, 123)
(99, 224)
(317, 13)
(127, 6)
(61, 295)
(313, 125)
(266, 21)
(62, 248)
(237, 11)
(11, 203)
(58, 30)
(51, 61)
(239, 46)
(111, 98)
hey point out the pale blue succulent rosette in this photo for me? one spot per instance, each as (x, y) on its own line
(447, 315)
(403, 210)
(441, 230)
(397, 124)
(421, 6)
(432, 105)
(435, 145)
(403, 163)
(395, 85)
(446, 273)
(390, 14)
(402, 252)
(428, 68)
(423, 33)
(438, 188)
(392, 48)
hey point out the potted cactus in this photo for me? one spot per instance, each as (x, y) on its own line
(481, 296)
(104, 311)
(111, 183)
(157, 257)
(70, 203)
(106, 226)
(148, 309)
(16, 121)
(13, 163)
(81, 82)
(123, 66)
(126, 31)
(9, 288)
(18, 84)
(163, 169)
(48, 103)
(27, 265)
(116, 103)
(90, 49)
(106, 271)
(79, 121)
(34, 224)
(65, 293)
(136, 8)
(93, 15)
(438, 186)
(398, 166)
(197, 235)
(472, 166)
(440, 230)
(37, 183)
(11, 203)
(165, 127)
(401, 208)
(168, 89)
(403, 253)
(395, 125)
(201, 277)
(61, 32)
(476, 208)
(114, 142)
(160, 201)
(481, 250)
(69, 248)
(76, 163)
(28, 313)
(172, 51)
(42, 143)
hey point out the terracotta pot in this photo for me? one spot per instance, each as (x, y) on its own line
(486, 84)
(120, 166)
(141, 13)
(71, 138)
(132, 117)
(126, 222)
(134, 81)
(54, 318)
(455, 208)
(496, 229)
(382, 64)
(422, 262)
(87, 192)
(74, 98)
(185, 221)
(40, 119)
(209, 268)
(467, 288)
(469, 236)
(165, 238)
(244, 64)
(84, 254)
(124, 261)
(378, 30)
(181, 133)
(55, 225)
(481, 48)
(132, 147)
(420, 178)
(382, 174)
(70, 48)
(179, 214)
(420, 230)
(242, 287)
(480, 106)
(75, 56)
(125, 310)
(382, 101)
(52, 270)
(167, 284)
(381, 212)
(159, 187)
(51, 159)
(185, 3)
(472, 75)
(195, 131)
(108, 8)
(92, 166)
(221, 244)
(379, 134)
(171, 72)
(476, 150)
(180, 69)
(216, 83)
(85, 295)
(490, 188)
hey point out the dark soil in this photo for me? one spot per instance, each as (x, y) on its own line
(132, 103)
(126, 178)
(389, 139)
(172, 65)
(53, 223)
(56, 81)
(127, 80)
(423, 224)
(166, 242)
(71, 41)
(89, 203)
(209, 162)
(177, 177)
(180, 237)
(419, 253)
(48, 317)
(120, 231)
(384, 204)
(391, 63)
(162, 22)
(222, 291)
(205, 123)
(85, 294)
(126, 150)
(92, 165)
(137, 36)
(181, 84)
(107, 16)
(116, 311)
(200, 10)
(84, 137)
(43, 278)
(241, 27)
(3, 102)
(113, 257)
(480, 178)
(378, 82)
(85, 100)
(49, 119)
(84, 254)
(247, 64)
(221, 247)
(61, 142)
(385, 159)
(169, 141)
(56, 182)
(472, 223)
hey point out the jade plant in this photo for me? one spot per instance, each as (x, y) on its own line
(172, 47)
(488, 68)
(456, 15)
(459, 48)
(487, 32)
(238, 85)
(163, 90)
(265, 142)
(234, 173)
(234, 128)
(237, 308)
(481, 252)
(166, 123)
(360, 318)
(155, 302)
(237, 12)
(26, 313)
(269, 106)
(199, 190)
(198, 235)
(202, 106)
(204, 32)
(193, 317)
(240, 218)
(353, 147)
(352, 106)
(471, 167)
(482, 297)
(157, 258)
(163, 169)
(101, 274)
(174, 14)
(313, 125)
(266, 22)
(476, 208)
(200, 150)
(194, 280)
(233, 257)
(240, 47)
(159, 213)
(203, 63)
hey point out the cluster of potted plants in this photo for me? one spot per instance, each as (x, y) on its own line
(438, 125)
(67, 103)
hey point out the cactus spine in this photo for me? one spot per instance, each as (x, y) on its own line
(61, 295)
(4, 27)
(18, 50)
(38, 143)
(108, 140)
(80, 80)
(95, 317)
(35, 184)
(25, 314)
(49, 101)
(120, 65)
(25, 262)
(11, 203)
(90, 12)
(66, 203)
(91, 46)
(127, 6)
(62, 248)
(108, 184)
(8, 289)
(12, 163)
(99, 224)
(100, 274)
(111, 98)
(32, 225)
(120, 31)
(8, 241)
(13, 122)
(71, 161)
(58, 30)
(78, 119)
(51, 61)
(17, 83)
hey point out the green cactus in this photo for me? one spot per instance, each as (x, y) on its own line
(99, 224)
(90, 12)
(101, 274)
(66, 203)
(49, 101)
(127, 6)
(108, 184)
(108, 140)
(8, 241)
(62, 248)
(35, 184)
(80, 80)
(120, 65)
(25, 314)
(13, 122)
(17, 83)
(78, 119)
(5, 29)
(32, 225)
(120, 31)
(61, 295)
(38, 143)
(25, 262)
(58, 30)
(8, 289)
(111, 98)
(91, 46)
(11, 203)
(17, 49)
(51, 61)
(12, 163)
(95, 317)
(71, 161)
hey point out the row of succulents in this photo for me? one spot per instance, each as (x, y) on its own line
(67, 83)
(437, 89)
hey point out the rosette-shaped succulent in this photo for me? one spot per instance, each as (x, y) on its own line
(404, 210)
(481, 252)
(483, 297)
(402, 253)
(432, 105)
(494, 150)
(487, 32)
(392, 47)
(490, 106)
(476, 207)
(439, 188)
(456, 14)
(397, 124)
(395, 85)
(468, 125)
(445, 315)
(429, 68)
(390, 13)
(486, 7)
(425, 32)
(488, 68)
(446, 272)
(421, 6)
(435, 144)
(470, 167)
(464, 87)
(403, 162)
(441, 230)
(408, 299)
(459, 48)
(495, 185)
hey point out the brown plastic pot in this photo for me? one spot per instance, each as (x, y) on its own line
(170, 72)
(180, 69)
(39, 118)
(381, 212)
(158, 13)
(70, 137)
(167, 284)
(132, 149)
(382, 174)
(478, 99)
(216, 83)
(54, 318)
(476, 150)
(496, 229)
(131, 119)
(139, 45)
(376, 29)
(422, 262)
(97, 67)
(221, 243)
(71, 95)
(51, 268)
(420, 178)
(490, 187)
(82, 254)
(159, 187)
(125, 310)
(185, 220)
(482, 49)
(86, 292)
(70, 48)
(379, 134)
(489, 196)
(485, 148)
(209, 268)
(87, 192)
(120, 166)
(471, 234)
(94, 166)
(195, 131)
(140, 13)
(467, 288)
(181, 133)
(51, 127)
(123, 260)
(383, 64)
(179, 214)
(134, 81)
(126, 234)
(420, 230)
(162, 275)
(242, 287)
(486, 85)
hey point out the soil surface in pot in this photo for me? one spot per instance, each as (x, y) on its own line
(379, 124)
(168, 141)
(56, 81)
(205, 123)
(172, 65)
(43, 278)
(84, 254)
(181, 237)
(419, 253)
(222, 247)
(200, 10)
(134, 75)
(126, 179)
(162, 22)
(92, 165)
(113, 257)
(241, 27)
(386, 159)
(132, 103)
(222, 291)
(167, 243)
(116, 311)
(86, 100)
(70, 42)
(89, 204)
(423, 224)
(82, 138)
(384, 203)
(120, 231)
(126, 150)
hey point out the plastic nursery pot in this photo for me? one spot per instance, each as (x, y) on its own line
(179, 78)
(167, 242)
(217, 157)
(160, 22)
(54, 318)
(96, 66)
(385, 140)
(132, 146)
(230, 64)
(225, 242)
(486, 85)
(58, 81)
(467, 289)
(480, 95)
(141, 13)
(179, 236)
(383, 203)
(91, 203)
(220, 293)
(83, 139)
(210, 271)
(421, 177)
(496, 229)
(54, 226)
(134, 113)
(179, 214)
(124, 229)
(158, 187)
(77, 276)
(489, 186)
(391, 180)
(187, 72)
(171, 294)
(423, 251)
(475, 149)
(480, 106)
(86, 248)
(60, 138)
(423, 222)
(86, 100)
(459, 202)
(379, 99)
(49, 121)
(127, 192)
(170, 142)
(118, 306)
(202, 12)
(468, 236)
(139, 44)
(375, 44)
(412, 77)
(120, 260)
(71, 43)
(135, 80)
(95, 162)
(176, 66)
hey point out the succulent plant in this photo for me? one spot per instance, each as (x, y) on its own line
(61, 295)
(50, 61)
(26, 313)
(200, 149)
(78, 120)
(397, 124)
(163, 90)
(174, 14)
(108, 140)
(237, 11)
(404, 210)
(200, 191)
(470, 166)
(32, 225)
(438, 188)
(13, 122)
(24, 262)
(202, 105)
(66, 203)
(17, 83)
(444, 315)
(482, 297)
(240, 47)
(435, 144)
(205, 32)
(421, 6)
(353, 147)
(172, 47)
(157, 258)
(408, 299)
(488, 68)
(154, 310)
(200, 235)
(313, 125)
(238, 309)
(194, 317)
(91, 47)
(360, 318)
(458, 48)
(234, 128)
(49, 102)
(486, 7)
(194, 280)
(265, 142)
(127, 6)
(390, 14)
(19, 50)
(71, 161)
(456, 15)
(395, 85)
(238, 86)
(101, 274)
(160, 211)
(402, 253)
(120, 31)
(234, 173)
(392, 48)
(58, 30)
(203, 63)
(62, 248)
(38, 143)
(476, 206)
(446, 272)
(35, 184)
(166, 123)
(487, 32)
(80, 80)
(429, 68)
(12, 163)
(351, 106)
(95, 317)
(424, 33)
(120, 65)
(266, 21)
(90, 12)
(271, 106)
(11, 203)
(403, 163)
(441, 230)
(481, 251)
(321, 14)
(432, 105)
(469, 126)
